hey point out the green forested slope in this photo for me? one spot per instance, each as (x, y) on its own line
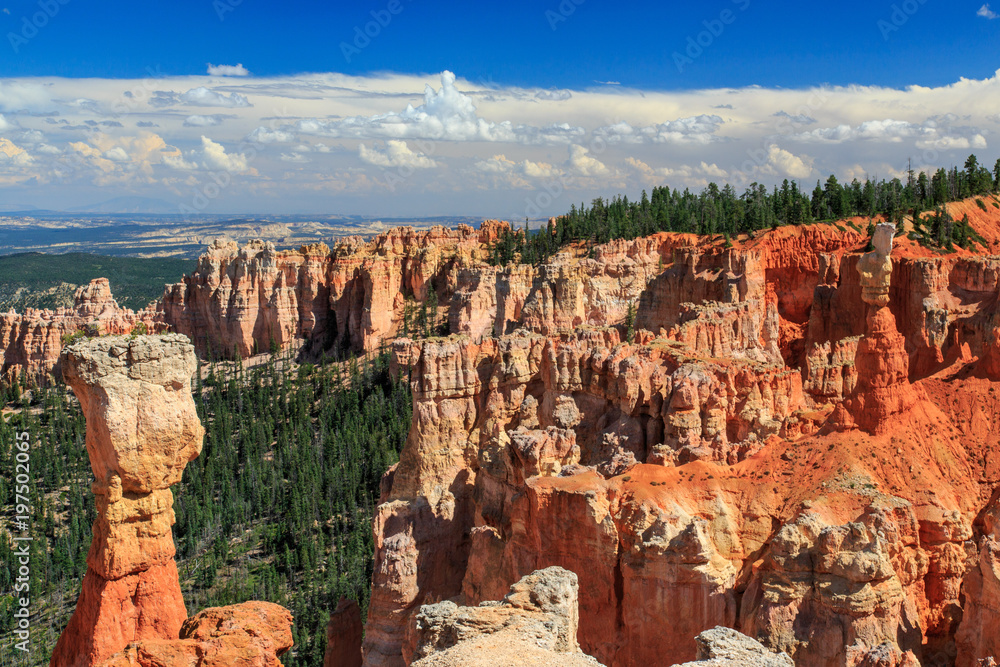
(38, 280)
(277, 507)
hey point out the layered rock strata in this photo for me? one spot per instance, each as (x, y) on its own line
(723, 647)
(768, 452)
(883, 385)
(245, 299)
(344, 636)
(30, 343)
(535, 623)
(252, 634)
(142, 430)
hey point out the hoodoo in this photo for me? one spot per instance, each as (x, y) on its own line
(883, 385)
(142, 430)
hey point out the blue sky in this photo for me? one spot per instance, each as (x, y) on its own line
(514, 43)
(494, 109)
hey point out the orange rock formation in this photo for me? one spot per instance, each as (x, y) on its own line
(770, 453)
(799, 442)
(30, 343)
(534, 624)
(343, 636)
(252, 634)
(142, 430)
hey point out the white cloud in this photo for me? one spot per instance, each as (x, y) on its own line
(938, 132)
(713, 170)
(13, 155)
(203, 121)
(446, 115)
(205, 97)
(211, 157)
(228, 70)
(215, 157)
(581, 162)
(396, 154)
(517, 174)
(786, 163)
(987, 13)
(263, 135)
(692, 130)
(690, 137)
(25, 96)
(116, 154)
(175, 160)
(4, 124)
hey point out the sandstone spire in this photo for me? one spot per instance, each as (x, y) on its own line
(142, 430)
(883, 387)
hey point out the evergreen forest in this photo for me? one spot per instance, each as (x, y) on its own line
(277, 507)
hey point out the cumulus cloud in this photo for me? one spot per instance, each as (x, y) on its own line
(263, 135)
(447, 114)
(204, 121)
(692, 130)
(211, 157)
(787, 164)
(396, 154)
(227, 70)
(935, 132)
(116, 154)
(583, 163)
(175, 160)
(314, 123)
(13, 155)
(215, 157)
(697, 175)
(987, 13)
(205, 97)
(516, 174)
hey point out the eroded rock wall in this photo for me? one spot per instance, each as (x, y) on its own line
(769, 452)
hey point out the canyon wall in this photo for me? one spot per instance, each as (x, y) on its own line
(706, 435)
(30, 343)
(771, 450)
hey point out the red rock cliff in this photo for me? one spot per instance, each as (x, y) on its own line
(702, 474)
(30, 343)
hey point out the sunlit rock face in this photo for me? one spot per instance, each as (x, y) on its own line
(796, 442)
(142, 430)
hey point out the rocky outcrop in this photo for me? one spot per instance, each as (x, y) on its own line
(30, 343)
(245, 299)
(142, 430)
(252, 634)
(723, 647)
(882, 365)
(344, 635)
(979, 633)
(535, 623)
(768, 451)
